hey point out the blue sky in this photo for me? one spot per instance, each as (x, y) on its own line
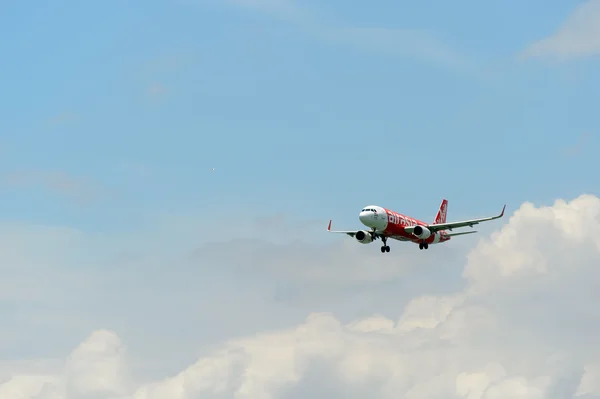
(311, 109)
(114, 228)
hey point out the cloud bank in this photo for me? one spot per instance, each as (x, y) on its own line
(523, 325)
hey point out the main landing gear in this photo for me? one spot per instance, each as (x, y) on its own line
(385, 247)
(423, 245)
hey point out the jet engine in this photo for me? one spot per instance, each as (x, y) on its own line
(422, 232)
(364, 237)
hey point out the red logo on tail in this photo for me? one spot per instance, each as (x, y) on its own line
(441, 215)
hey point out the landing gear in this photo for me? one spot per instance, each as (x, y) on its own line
(423, 245)
(385, 247)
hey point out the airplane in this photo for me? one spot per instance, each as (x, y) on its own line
(385, 223)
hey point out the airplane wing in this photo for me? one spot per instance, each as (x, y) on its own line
(456, 225)
(350, 233)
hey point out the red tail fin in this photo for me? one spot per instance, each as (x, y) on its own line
(441, 215)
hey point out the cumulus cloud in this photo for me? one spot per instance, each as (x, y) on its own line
(523, 325)
(95, 369)
(579, 35)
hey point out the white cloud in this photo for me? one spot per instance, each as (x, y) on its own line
(388, 41)
(287, 9)
(579, 36)
(58, 182)
(578, 147)
(157, 91)
(524, 326)
(97, 366)
(95, 369)
(402, 42)
(62, 118)
(590, 382)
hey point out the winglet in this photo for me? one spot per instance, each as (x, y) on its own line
(329, 227)
(502, 214)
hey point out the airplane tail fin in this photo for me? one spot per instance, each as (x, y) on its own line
(441, 215)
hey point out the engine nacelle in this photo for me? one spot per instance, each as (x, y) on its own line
(422, 232)
(363, 237)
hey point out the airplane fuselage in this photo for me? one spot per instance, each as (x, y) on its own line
(392, 224)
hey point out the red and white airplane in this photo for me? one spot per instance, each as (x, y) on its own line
(385, 224)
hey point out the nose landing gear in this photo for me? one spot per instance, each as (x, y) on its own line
(423, 245)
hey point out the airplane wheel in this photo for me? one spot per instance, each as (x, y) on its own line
(382, 249)
(387, 248)
(426, 246)
(420, 245)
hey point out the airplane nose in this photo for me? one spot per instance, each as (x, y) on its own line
(364, 217)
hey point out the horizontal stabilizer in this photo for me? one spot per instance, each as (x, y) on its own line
(461, 234)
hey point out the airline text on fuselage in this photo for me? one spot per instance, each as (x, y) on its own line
(400, 219)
